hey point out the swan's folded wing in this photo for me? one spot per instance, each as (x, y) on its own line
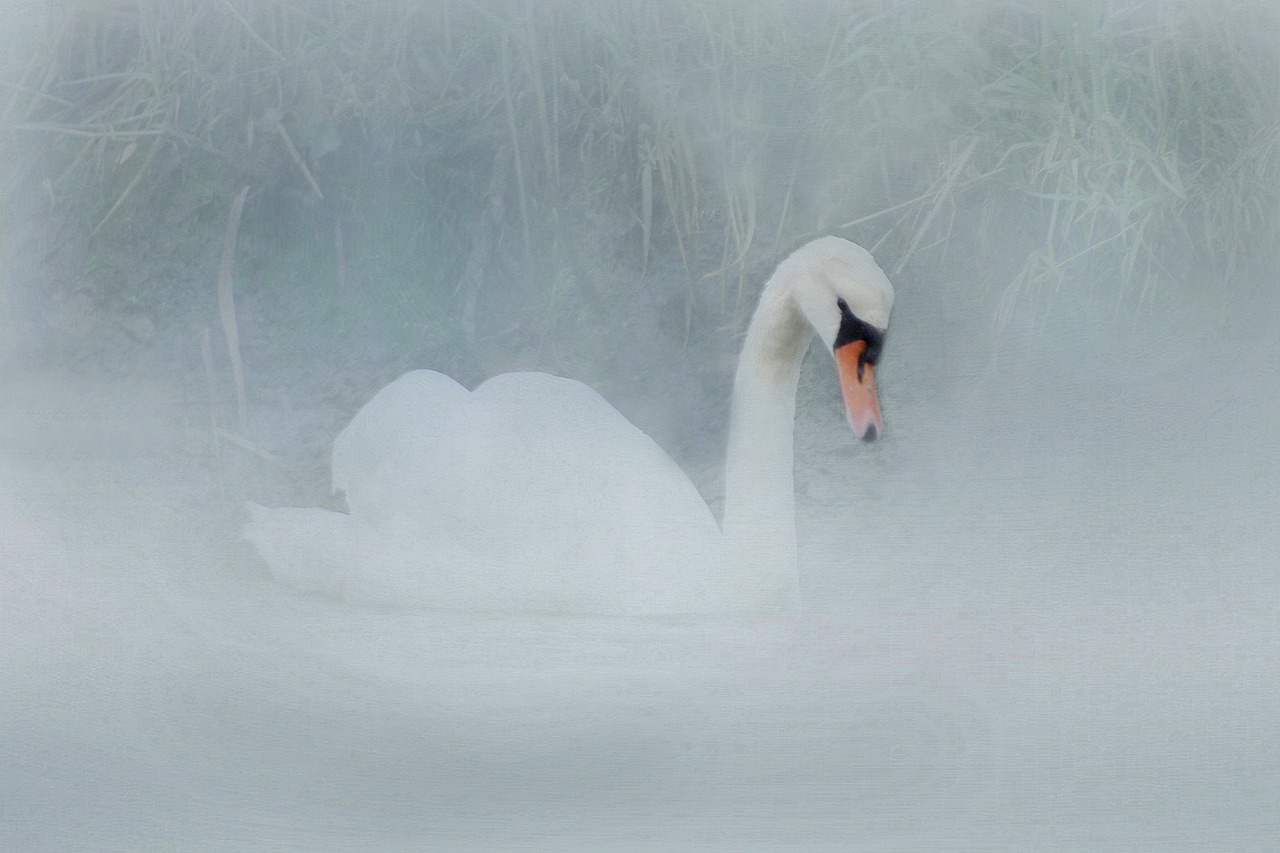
(558, 453)
(403, 424)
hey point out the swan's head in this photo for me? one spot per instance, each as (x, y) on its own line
(846, 297)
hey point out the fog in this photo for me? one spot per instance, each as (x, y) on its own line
(1041, 612)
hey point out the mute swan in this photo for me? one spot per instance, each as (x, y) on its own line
(532, 493)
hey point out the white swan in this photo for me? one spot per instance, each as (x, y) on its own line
(532, 493)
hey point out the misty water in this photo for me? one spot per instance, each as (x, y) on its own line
(1041, 613)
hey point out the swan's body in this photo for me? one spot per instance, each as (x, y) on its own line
(532, 493)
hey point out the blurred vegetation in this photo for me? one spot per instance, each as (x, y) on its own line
(413, 165)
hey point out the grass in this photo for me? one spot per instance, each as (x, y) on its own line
(1086, 144)
(1140, 138)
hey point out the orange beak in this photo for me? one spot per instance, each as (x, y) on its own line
(858, 386)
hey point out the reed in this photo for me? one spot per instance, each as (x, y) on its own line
(1092, 141)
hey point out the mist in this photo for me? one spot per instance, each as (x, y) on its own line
(1040, 612)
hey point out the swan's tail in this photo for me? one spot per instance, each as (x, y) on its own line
(308, 548)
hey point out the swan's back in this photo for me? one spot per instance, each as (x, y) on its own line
(531, 492)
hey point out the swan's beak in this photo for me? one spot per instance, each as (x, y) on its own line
(858, 386)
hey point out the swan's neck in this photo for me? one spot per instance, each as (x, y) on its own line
(759, 512)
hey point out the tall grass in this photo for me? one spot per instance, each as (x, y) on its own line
(1089, 141)
(1142, 138)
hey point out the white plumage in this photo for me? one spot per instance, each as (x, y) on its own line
(533, 494)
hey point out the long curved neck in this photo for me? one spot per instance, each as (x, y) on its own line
(759, 511)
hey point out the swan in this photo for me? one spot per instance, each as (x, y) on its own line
(533, 494)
